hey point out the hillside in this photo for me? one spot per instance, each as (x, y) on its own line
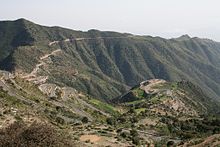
(60, 87)
(176, 98)
(60, 115)
(107, 64)
(169, 112)
(156, 112)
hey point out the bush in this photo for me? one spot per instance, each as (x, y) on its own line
(110, 121)
(121, 119)
(124, 134)
(60, 120)
(170, 143)
(85, 120)
(35, 135)
(136, 140)
(131, 110)
(134, 133)
(119, 130)
(134, 119)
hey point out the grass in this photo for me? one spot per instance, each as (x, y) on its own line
(158, 99)
(155, 100)
(139, 93)
(10, 100)
(29, 90)
(139, 110)
(174, 85)
(135, 102)
(104, 106)
(30, 87)
(163, 129)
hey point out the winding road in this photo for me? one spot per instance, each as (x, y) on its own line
(32, 76)
(89, 38)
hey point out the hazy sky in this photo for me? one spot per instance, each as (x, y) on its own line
(165, 18)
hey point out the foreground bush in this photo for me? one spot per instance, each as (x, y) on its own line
(35, 135)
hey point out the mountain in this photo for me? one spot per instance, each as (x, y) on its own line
(60, 87)
(107, 64)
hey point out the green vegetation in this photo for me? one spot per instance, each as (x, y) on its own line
(139, 110)
(104, 106)
(139, 93)
(134, 102)
(107, 67)
(85, 120)
(9, 100)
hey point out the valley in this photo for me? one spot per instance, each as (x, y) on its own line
(106, 88)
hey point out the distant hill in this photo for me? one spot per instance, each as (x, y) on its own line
(106, 64)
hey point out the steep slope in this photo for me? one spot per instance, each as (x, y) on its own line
(23, 107)
(163, 112)
(49, 101)
(106, 64)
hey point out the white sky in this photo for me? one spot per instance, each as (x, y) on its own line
(165, 18)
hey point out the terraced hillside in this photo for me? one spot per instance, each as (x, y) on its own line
(156, 112)
(69, 112)
(164, 112)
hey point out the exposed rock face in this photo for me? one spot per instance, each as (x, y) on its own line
(52, 90)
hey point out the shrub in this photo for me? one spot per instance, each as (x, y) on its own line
(60, 120)
(134, 133)
(124, 134)
(136, 140)
(121, 119)
(110, 121)
(170, 143)
(131, 110)
(85, 120)
(134, 119)
(35, 135)
(119, 130)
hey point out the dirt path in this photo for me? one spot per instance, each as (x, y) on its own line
(52, 53)
(80, 39)
(32, 76)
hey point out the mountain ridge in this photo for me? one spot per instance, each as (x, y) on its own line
(129, 60)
